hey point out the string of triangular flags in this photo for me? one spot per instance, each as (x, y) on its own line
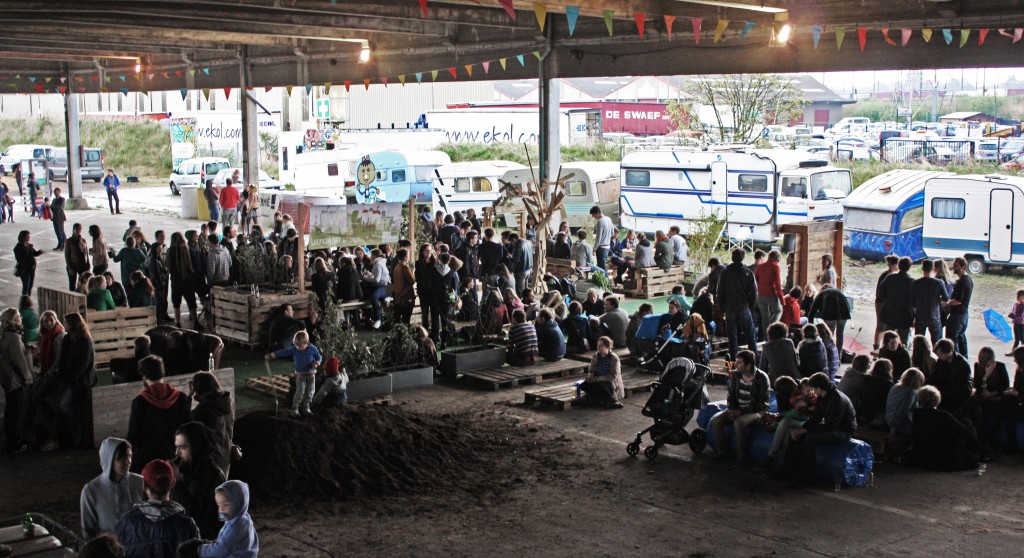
(906, 34)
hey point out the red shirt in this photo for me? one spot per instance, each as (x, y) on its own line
(790, 310)
(769, 279)
(229, 197)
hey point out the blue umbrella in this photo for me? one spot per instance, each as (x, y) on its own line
(997, 326)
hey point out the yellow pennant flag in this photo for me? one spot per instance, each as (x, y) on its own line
(503, 62)
(433, 75)
(964, 35)
(469, 69)
(723, 24)
(401, 79)
(926, 34)
(840, 35)
(206, 93)
(327, 88)
(288, 88)
(540, 9)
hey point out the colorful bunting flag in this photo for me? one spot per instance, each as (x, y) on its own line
(49, 79)
(509, 9)
(926, 34)
(522, 62)
(227, 93)
(487, 66)
(433, 74)
(1017, 33)
(540, 9)
(419, 77)
(94, 78)
(503, 62)
(63, 80)
(63, 89)
(366, 83)
(401, 79)
(453, 72)
(907, 33)
(184, 93)
(348, 85)
(288, 88)
(572, 13)
(206, 93)
(267, 89)
(669, 20)
(862, 37)
(697, 22)
(608, 15)
(948, 35)
(747, 26)
(191, 72)
(965, 34)
(840, 35)
(723, 24)
(981, 36)
(32, 79)
(309, 88)
(469, 69)
(384, 80)
(815, 35)
(327, 88)
(206, 71)
(885, 35)
(165, 74)
(640, 19)
(423, 7)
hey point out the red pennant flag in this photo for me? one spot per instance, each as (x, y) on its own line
(453, 72)
(348, 84)
(178, 73)
(640, 18)
(888, 39)
(862, 36)
(165, 74)
(981, 36)
(79, 79)
(63, 89)
(95, 78)
(423, 7)
(696, 28)
(907, 33)
(227, 93)
(267, 89)
(509, 8)
(366, 83)
(669, 20)
(40, 89)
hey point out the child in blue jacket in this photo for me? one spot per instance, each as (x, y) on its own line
(307, 358)
(237, 538)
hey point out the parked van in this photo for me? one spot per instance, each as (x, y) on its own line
(754, 190)
(851, 124)
(22, 152)
(194, 172)
(885, 215)
(329, 172)
(980, 218)
(396, 176)
(460, 186)
(91, 166)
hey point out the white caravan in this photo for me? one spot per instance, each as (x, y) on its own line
(473, 184)
(980, 218)
(754, 190)
(591, 183)
(329, 172)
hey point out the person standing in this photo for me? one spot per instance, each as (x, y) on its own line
(747, 404)
(228, 203)
(522, 260)
(833, 307)
(769, 290)
(111, 182)
(58, 217)
(114, 492)
(76, 376)
(131, 258)
(212, 200)
(100, 257)
(15, 378)
(19, 178)
(183, 279)
(155, 414)
(156, 271)
(896, 293)
(737, 293)
(25, 262)
(602, 236)
(959, 304)
(157, 526)
(927, 296)
(828, 273)
(33, 192)
(215, 410)
(76, 255)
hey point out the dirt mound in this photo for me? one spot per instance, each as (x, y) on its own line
(360, 451)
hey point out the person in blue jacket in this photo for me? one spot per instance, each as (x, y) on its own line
(306, 358)
(156, 527)
(237, 539)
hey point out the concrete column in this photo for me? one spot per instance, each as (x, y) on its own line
(250, 138)
(549, 139)
(73, 140)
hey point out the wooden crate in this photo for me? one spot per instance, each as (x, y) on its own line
(243, 318)
(61, 301)
(114, 331)
(513, 376)
(561, 395)
(560, 267)
(652, 282)
(112, 404)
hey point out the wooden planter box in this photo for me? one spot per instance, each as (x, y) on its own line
(114, 331)
(471, 358)
(241, 317)
(368, 388)
(411, 377)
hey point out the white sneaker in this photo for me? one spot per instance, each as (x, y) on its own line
(294, 413)
(376, 325)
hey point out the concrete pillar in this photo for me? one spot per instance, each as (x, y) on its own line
(73, 140)
(549, 139)
(250, 138)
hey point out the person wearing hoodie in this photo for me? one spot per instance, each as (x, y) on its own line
(550, 341)
(156, 527)
(214, 409)
(778, 356)
(737, 294)
(237, 539)
(198, 476)
(811, 353)
(114, 492)
(156, 413)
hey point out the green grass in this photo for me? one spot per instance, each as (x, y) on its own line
(140, 148)
(865, 170)
(601, 151)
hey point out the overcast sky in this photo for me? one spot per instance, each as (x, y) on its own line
(867, 82)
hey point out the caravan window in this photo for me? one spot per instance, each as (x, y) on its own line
(638, 178)
(424, 174)
(576, 188)
(868, 220)
(794, 186)
(830, 185)
(753, 183)
(912, 219)
(398, 176)
(332, 169)
(482, 185)
(461, 184)
(948, 208)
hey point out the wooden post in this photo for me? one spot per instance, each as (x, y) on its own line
(412, 225)
(303, 224)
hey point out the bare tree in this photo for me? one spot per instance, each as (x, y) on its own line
(741, 105)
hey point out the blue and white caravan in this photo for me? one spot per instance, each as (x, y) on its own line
(980, 218)
(754, 190)
(471, 184)
(396, 176)
(884, 215)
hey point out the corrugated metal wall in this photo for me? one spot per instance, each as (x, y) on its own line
(402, 105)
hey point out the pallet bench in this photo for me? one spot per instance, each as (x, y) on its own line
(588, 356)
(512, 376)
(877, 439)
(653, 282)
(277, 386)
(565, 394)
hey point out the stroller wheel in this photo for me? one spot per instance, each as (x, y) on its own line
(698, 440)
(650, 452)
(632, 449)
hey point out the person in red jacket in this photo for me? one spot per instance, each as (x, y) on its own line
(228, 203)
(768, 277)
(791, 313)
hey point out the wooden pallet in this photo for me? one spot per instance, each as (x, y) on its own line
(274, 386)
(565, 394)
(114, 331)
(244, 319)
(588, 356)
(878, 440)
(653, 282)
(512, 376)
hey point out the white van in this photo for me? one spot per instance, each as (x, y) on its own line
(194, 172)
(473, 184)
(330, 172)
(22, 152)
(851, 125)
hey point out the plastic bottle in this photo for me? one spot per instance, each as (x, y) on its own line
(210, 363)
(28, 525)
(982, 468)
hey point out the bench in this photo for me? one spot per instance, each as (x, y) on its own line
(565, 394)
(588, 356)
(877, 439)
(653, 282)
(512, 376)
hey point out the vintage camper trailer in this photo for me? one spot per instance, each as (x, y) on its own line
(460, 186)
(396, 176)
(754, 190)
(328, 172)
(980, 218)
(589, 183)
(884, 215)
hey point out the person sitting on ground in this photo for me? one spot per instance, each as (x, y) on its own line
(831, 350)
(114, 492)
(334, 391)
(197, 476)
(747, 404)
(156, 527)
(899, 408)
(952, 377)
(778, 355)
(796, 403)
(634, 326)
(791, 314)
(237, 539)
(550, 341)
(874, 392)
(593, 305)
(603, 384)
(156, 413)
(613, 322)
(493, 314)
(991, 380)
(832, 422)
(939, 441)
(522, 341)
(581, 253)
(921, 355)
(214, 409)
(893, 349)
(577, 330)
(100, 546)
(812, 355)
(853, 379)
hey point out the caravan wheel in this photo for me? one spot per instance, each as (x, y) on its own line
(975, 265)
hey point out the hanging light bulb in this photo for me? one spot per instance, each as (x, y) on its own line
(784, 33)
(364, 53)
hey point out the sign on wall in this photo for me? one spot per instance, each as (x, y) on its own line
(184, 144)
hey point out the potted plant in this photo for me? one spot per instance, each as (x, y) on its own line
(402, 356)
(358, 358)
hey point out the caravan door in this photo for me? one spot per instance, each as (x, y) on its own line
(719, 185)
(1000, 237)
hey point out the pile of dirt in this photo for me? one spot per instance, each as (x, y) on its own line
(362, 451)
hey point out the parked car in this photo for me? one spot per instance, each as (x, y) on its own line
(91, 169)
(1011, 149)
(194, 172)
(988, 150)
(21, 152)
(266, 181)
(1015, 164)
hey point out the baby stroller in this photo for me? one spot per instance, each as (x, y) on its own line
(656, 349)
(680, 391)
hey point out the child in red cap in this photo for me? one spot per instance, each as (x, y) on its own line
(334, 390)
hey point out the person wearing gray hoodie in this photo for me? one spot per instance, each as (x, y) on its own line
(114, 492)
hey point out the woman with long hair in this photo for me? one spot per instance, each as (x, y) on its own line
(921, 355)
(100, 258)
(99, 298)
(76, 375)
(15, 378)
(215, 410)
(405, 287)
(430, 314)
(25, 257)
(184, 278)
(141, 293)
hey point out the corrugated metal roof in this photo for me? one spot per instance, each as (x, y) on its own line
(888, 191)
